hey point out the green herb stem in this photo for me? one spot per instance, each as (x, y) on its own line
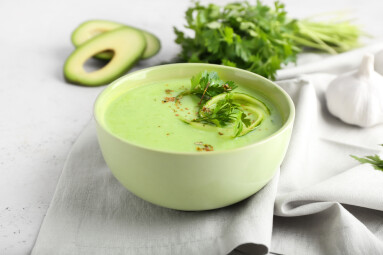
(332, 38)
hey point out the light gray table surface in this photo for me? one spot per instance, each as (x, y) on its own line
(41, 115)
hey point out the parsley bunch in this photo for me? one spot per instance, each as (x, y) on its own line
(252, 37)
(257, 37)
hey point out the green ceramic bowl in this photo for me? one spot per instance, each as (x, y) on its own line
(195, 181)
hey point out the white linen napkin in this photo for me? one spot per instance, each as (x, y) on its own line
(308, 63)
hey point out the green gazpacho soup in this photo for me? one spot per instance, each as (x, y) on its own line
(166, 116)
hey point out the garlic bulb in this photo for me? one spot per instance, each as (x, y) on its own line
(357, 97)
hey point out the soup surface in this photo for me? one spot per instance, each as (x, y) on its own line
(150, 116)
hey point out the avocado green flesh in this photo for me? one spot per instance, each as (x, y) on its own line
(89, 29)
(140, 116)
(128, 46)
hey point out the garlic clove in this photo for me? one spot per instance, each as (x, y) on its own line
(357, 97)
(366, 68)
(379, 62)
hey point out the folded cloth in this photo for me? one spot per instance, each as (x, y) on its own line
(324, 63)
(318, 176)
(91, 213)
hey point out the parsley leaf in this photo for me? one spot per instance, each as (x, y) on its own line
(207, 85)
(375, 161)
(241, 121)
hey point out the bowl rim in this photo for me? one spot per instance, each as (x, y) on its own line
(289, 122)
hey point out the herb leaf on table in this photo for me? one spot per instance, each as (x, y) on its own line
(374, 160)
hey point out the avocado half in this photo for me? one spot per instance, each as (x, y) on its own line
(127, 45)
(91, 28)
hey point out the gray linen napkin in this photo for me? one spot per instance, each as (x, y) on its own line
(91, 213)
